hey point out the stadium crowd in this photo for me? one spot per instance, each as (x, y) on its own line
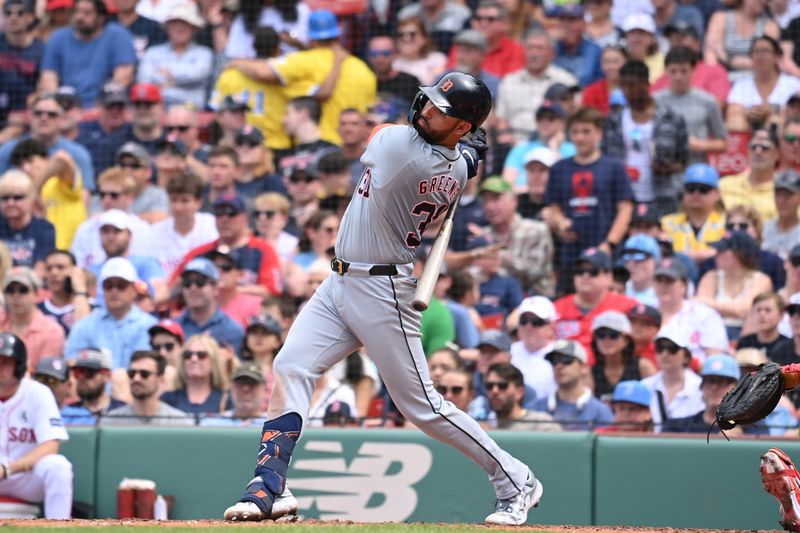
(174, 173)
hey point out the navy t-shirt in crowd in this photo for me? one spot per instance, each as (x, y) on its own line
(499, 295)
(19, 70)
(146, 33)
(30, 244)
(179, 399)
(102, 145)
(588, 195)
(468, 212)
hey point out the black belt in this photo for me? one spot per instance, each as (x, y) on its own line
(341, 268)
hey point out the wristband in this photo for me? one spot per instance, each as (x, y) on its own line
(80, 293)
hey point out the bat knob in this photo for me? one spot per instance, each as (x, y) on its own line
(419, 306)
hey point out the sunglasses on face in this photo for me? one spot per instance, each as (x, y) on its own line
(12, 197)
(265, 214)
(115, 285)
(380, 53)
(87, 373)
(13, 12)
(592, 271)
(131, 166)
(697, 188)
(491, 385)
(760, 146)
(444, 390)
(563, 360)
(666, 345)
(302, 179)
(112, 194)
(147, 105)
(533, 320)
(198, 282)
(479, 18)
(178, 127)
(225, 211)
(737, 226)
(132, 372)
(793, 309)
(17, 289)
(224, 267)
(167, 346)
(602, 334)
(188, 354)
(50, 381)
(248, 143)
(39, 113)
(789, 138)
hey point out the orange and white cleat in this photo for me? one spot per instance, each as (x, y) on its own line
(780, 478)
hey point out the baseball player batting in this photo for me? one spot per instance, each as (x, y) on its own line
(30, 433)
(413, 173)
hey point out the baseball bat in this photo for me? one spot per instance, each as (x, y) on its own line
(430, 273)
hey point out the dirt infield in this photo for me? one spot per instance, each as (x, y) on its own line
(317, 526)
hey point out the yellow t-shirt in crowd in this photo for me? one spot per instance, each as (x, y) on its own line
(303, 72)
(737, 190)
(64, 208)
(682, 235)
(267, 103)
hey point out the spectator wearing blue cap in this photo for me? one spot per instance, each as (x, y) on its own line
(640, 255)
(327, 66)
(257, 259)
(781, 234)
(120, 326)
(720, 373)
(631, 406)
(700, 220)
(199, 282)
(736, 281)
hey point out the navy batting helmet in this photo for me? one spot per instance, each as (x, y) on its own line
(457, 95)
(12, 346)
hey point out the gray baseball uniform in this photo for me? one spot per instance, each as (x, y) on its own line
(407, 183)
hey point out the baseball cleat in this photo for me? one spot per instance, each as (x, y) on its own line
(780, 478)
(514, 511)
(285, 505)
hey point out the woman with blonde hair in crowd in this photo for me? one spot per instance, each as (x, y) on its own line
(731, 287)
(730, 34)
(201, 384)
(416, 52)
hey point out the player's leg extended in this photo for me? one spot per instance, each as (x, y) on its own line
(317, 340)
(389, 328)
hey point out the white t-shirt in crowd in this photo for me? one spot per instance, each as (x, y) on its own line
(744, 91)
(537, 372)
(688, 401)
(704, 327)
(240, 41)
(171, 247)
(88, 249)
(638, 146)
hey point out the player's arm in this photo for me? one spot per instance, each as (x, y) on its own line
(258, 69)
(29, 460)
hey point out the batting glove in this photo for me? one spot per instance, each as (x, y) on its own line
(473, 147)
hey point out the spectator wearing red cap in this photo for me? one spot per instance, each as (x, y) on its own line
(89, 53)
(59, 15)
(166, 338)
(259, 262)
(148, 110)
(181, 66)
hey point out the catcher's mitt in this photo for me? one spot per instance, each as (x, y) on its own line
(753, 397)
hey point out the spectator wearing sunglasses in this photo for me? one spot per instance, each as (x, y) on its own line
(91, 371)
(53, 372)
(700, 221)
(731, 288)
(765, 316)
(572, 404)
(181, 125)
(576, 312)
(754, 186)
(456, 386)
(640, 255)
(781, 234)
(199, 287)
(505, 391)
(238, 305)
(149, 201)
(42, 335)
(615, 354)
(68, 98)
(201, 382)
(676, 387)
(249, 396)
(271, 217)
(146, 374)
(536, 333)
(261, 274)
(381, 53)
(166, 338)
(256, 165)
(186, 227)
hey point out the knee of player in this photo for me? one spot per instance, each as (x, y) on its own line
(284, 368)
(56, 466)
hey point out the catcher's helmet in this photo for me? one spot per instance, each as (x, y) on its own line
(458, 95)
(13, 346)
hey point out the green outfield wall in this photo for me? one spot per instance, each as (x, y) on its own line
(398, 475)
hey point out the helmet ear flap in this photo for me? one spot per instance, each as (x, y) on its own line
(416, 107)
